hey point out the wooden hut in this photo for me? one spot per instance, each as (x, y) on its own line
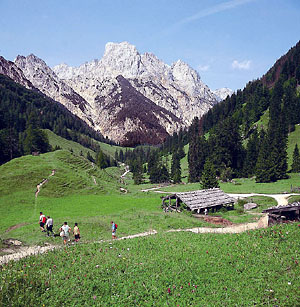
(198, 201)
(281, 214)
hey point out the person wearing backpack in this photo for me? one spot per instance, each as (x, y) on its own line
(42, 221)
(65, 230)
(49, 226)
(114, 227)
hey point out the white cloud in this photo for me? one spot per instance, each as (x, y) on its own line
(244, 65)
(214, 10)
(203, 67)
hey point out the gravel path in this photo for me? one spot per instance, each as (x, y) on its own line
(22, 252)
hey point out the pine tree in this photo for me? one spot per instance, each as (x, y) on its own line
(208, 178)
(137, 171)
(175, 168)
(101, 160)
(296, 160)
(263, 168)
(252, 151)
(196, 157)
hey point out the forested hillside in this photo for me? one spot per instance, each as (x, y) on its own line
(236, 145)
(245, 135)
(23, 113)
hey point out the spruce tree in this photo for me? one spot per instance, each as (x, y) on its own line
(137, 171)
(208, 178)
(252, 151)
(296, 160)
(175, 168)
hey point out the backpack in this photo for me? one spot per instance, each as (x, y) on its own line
(116, 226)
(44, 219)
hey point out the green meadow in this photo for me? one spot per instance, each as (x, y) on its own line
(257, 268)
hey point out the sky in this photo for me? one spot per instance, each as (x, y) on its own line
(229, 42)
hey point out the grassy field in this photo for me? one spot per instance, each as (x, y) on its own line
(65, 144)
(244, 185)
(258, 268)
(71, 195)
(178, 269)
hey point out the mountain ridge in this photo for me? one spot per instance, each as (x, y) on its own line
(176, 88)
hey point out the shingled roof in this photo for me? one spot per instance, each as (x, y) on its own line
(205, 198)
(202, 198)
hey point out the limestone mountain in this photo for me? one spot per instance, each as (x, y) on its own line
(131, 98)
(44, 79)
(177, 88)
(11, 70)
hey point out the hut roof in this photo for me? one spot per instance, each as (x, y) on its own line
(277, 209)
(205, 198)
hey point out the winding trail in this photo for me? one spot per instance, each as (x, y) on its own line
(23, 252)
(38, 187)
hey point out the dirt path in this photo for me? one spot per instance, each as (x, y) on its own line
(38, 187)
(127, 170)
(282, 199)
(22, 252)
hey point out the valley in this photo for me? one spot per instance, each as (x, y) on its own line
(104, 141)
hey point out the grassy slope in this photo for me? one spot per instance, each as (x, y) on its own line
(71, 195)
(294, 138)
(77, 148)
(257, 268)
(56, 140)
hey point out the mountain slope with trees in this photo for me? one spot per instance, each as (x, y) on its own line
(232, 123)
(23, 113)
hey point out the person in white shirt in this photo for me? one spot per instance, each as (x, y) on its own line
(49, 225)
(65, 232)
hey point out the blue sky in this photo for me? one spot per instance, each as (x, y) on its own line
(229, 42)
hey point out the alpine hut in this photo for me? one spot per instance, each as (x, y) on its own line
(198, 201)
(281, 214)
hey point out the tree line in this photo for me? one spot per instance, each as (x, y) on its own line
(23, 113)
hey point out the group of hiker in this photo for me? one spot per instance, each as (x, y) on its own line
(46, 225)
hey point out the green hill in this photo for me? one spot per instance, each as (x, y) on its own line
(108, 149)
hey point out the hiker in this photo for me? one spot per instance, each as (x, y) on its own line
(76, 232)
(205, 211)
(114, 227)
(42, 221)
(65, 232)
(49, 226)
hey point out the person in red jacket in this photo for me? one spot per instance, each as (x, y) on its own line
(42, 221)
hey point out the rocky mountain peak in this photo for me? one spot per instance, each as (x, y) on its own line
(222, 93)
(9, 69)
(45, 79)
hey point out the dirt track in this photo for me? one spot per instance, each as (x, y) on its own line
(22, 252)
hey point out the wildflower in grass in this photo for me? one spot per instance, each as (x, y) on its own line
(97, 266)
(94, 297)
(169, 290)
